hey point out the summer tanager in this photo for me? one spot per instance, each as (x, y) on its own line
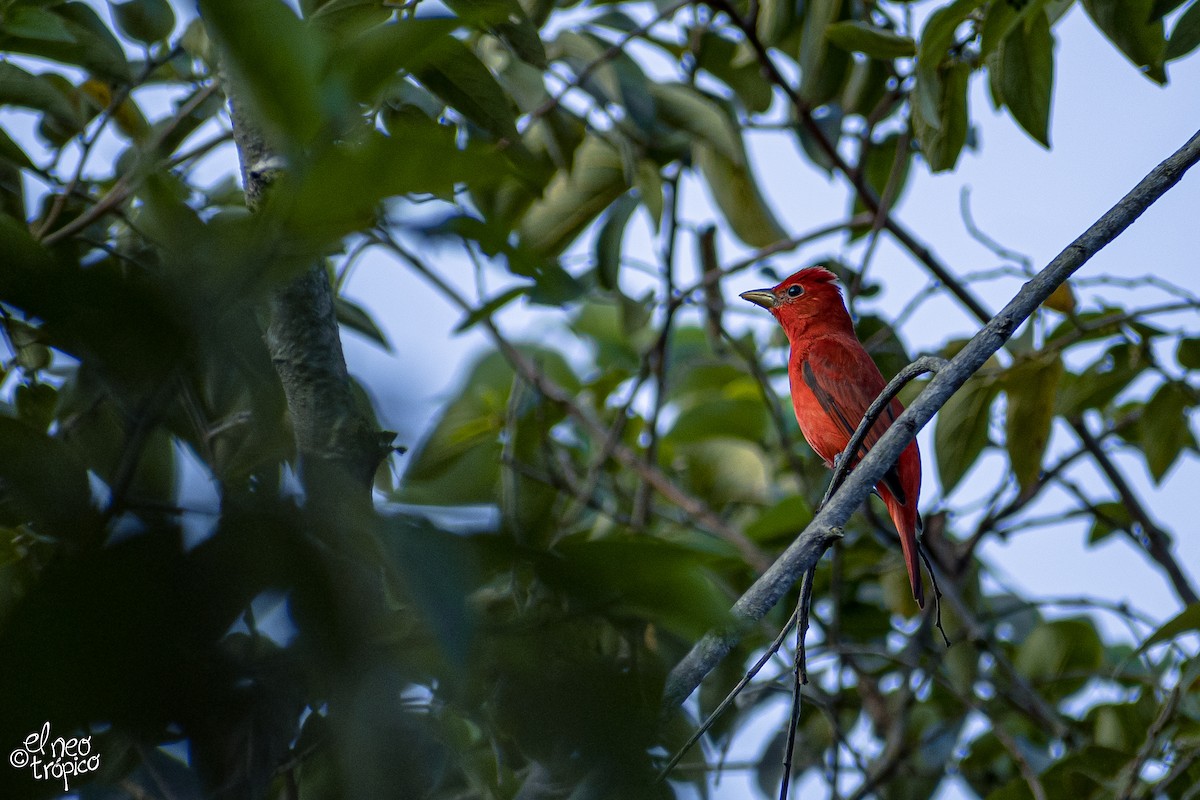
(833, 382)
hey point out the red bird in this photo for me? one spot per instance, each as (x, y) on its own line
(833, 382)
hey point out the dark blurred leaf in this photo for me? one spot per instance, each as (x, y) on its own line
(507, 20)
(717, 55)
(1164, 427)
(642, 577)
(735, 191)
(608, 241)
(43, 482)
(20, 88)
(784, 520)
(861, 37)
(823, 69)
(1031, 386)
(1128, 25)
(1188, 353)
(35, 405)
(145, 21)
(34, 22)
(455, 74)
(11, 152)
(1184, 622)
(743, 418)
(1163, 7)
(961, 430)
(686, 108)
(1185, 36)
(357, 319)
(274, 62)
(81, 39)
(879, 168)
(1058, 657)
(573, 199)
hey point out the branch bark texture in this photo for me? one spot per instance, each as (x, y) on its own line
(812, 542)
(333, 436)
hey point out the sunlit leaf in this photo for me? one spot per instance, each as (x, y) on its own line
(573, 199)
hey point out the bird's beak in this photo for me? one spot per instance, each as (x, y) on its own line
(760, 297)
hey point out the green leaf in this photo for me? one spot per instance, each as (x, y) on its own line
(1026, 81)
(508, 21)
(145, 21)
(735, 192)
(1062, 654)
(20, 88)
(861, 37)
(961, 430)
(87, 42)
(1163, 7)
(942, 142)
(1188, 353)
(1164, 427)
(782, 521)
(1128, 25)
(1102, 381)
(1185, 36)
(31, 22)
(686, 108)
(823, 69)
(35, 405)
(1110, 518)
(357, 319)
(455, 74)
(878, 169)
(1184, 622)
(649, 185)
(44, 481)
(490, 307)
(933, 50)
(573, 199)
(11, 152)
(718, 56)
(1031, 386)
(273, 60)
(608, 241)
(725, 470)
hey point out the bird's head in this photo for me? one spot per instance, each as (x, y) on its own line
(808, 295)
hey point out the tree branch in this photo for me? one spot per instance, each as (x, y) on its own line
(810, 544)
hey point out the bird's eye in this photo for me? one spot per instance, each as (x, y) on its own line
(794, 291)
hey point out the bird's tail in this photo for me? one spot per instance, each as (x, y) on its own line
(907, 521)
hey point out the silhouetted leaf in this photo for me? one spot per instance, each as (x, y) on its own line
(1164, 427)
(1185, 36)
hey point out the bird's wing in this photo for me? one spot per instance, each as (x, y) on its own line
(845, 382)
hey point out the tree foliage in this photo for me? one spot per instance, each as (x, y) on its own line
(502, 620)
